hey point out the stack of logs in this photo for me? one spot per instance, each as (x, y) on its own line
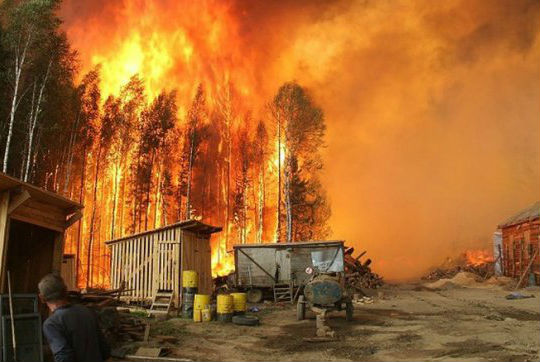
(483, 271)
(358, 274)
(118, 326)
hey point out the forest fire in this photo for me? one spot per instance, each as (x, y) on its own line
(183, 133)
(152, 112)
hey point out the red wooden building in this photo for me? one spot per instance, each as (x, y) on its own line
(521, 242)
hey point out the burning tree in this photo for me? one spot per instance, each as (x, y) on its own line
(302, 124)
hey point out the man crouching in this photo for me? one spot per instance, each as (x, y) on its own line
(72, 330)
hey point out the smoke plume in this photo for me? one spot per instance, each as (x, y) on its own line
(432, 107)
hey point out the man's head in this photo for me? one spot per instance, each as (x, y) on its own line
(52, 288)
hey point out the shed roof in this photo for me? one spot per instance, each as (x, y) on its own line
(38, 194)
(312, 244)
(528, 214)
(189, 225)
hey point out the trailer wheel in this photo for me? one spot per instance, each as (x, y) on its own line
(300, 309)
(349, 311)
(254, 296)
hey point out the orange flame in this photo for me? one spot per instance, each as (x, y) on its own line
(478, 257)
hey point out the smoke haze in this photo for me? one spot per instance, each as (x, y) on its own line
(432, 108)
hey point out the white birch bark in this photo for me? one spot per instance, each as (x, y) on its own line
(34, 114)
(19, 64)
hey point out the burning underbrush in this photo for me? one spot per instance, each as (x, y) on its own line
(480, 263)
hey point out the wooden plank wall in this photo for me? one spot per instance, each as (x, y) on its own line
(147, 263)
(197, 255)
(519, 242)
(154, 261)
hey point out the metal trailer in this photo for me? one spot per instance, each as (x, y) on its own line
(280, 268)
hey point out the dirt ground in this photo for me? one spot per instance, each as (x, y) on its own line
(405, 323)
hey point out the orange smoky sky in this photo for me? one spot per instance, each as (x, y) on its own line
(432, 107)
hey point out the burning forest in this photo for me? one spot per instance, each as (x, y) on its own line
(278, 122)
(328, 180)
(140, 155)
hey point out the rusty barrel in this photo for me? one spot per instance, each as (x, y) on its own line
(188, 297)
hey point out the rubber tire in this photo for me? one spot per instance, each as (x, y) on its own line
(349, 311)
(254, 295)
(245, 320)
(300, 309)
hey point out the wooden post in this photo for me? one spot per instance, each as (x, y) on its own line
(58, 252)
(4, 236)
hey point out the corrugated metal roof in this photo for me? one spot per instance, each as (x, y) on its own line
(528, 214)
(190, 225)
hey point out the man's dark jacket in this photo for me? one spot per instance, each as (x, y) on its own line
(74, 336)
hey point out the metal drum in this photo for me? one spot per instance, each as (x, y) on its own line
(225, 307)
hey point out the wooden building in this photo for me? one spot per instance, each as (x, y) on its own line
(521, 243)
(154, 260)
(32, 226)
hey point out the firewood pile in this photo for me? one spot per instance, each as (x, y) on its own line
(99, 298)
(118, 326)
(484, 271)
(121, 326)
(358, 273)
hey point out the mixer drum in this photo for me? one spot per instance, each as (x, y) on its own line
(323, 290)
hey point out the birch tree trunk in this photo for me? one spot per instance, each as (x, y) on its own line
(278, 231)
(115, 200)
(190, 173)
(261, 200)
(92, 223)
(19, 63)
(288, 199)
(72, 140)
(34, 114)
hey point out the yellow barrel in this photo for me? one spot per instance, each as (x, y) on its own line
(206, 315)
(239, 302)
(197, 316)
(190, 279)
(201, 301)
(225, 304)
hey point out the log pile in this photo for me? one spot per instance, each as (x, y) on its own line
(484, 271)
(121, 326)
(118, 326)
(358, 274)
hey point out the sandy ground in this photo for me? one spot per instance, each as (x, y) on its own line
(409, 323)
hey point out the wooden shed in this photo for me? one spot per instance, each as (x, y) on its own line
(521, 243)
(154, 260)
(32, 226)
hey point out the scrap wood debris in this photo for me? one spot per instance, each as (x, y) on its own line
(358, 274)
(484, 271)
